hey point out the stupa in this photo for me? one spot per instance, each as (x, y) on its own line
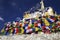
(43, 11)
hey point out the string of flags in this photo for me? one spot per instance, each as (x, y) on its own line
(45, 24)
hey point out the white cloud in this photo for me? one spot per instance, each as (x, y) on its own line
(1, 19)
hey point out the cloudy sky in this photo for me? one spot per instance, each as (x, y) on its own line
(10, 9)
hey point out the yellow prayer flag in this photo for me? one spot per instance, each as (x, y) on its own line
(46, 22)
(36, 29)
(22, 31)
(2, 30)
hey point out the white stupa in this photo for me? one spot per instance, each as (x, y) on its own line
(40, 12)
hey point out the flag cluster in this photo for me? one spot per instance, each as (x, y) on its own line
(45, 24)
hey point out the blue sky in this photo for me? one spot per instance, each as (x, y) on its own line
(11, 9)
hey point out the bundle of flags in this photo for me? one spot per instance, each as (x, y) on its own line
(44, 24)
